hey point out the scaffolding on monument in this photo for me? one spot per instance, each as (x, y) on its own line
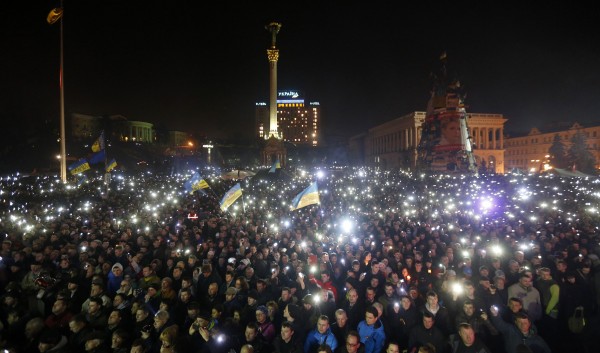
(445, 146)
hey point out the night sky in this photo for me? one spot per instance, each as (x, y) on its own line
(200, 66)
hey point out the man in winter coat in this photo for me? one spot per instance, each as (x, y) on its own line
(468, 342)
(321, 335)
(519, 332)
(371, 331)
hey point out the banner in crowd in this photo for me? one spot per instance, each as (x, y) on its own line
(79, 167)
(229, 198)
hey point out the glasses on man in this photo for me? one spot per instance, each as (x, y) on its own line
(350, 344)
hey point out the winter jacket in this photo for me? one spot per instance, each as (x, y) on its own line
(373, 336)
(477, 347)
(314, 339)
(513, 337)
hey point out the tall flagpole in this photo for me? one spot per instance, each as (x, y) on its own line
(54, 16)
(63, 143)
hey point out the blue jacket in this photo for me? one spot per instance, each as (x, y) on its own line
(315, 339)
(373, 337)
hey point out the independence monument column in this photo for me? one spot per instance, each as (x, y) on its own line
(274, 148)
(273, 56)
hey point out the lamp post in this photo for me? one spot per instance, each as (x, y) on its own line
(208, 146)
(54, 16)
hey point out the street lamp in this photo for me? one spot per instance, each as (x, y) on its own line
(208, 146)
(54, 16)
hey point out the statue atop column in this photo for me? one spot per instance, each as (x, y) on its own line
(274, 28)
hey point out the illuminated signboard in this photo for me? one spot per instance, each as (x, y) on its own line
(289, 97)
(289, 94)
(261, 104)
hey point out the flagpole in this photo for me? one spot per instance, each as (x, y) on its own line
(63, 144)
(107, 173)
(243, 203)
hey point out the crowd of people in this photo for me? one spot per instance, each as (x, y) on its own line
(387, 262)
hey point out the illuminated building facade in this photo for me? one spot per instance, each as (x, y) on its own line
(135, 131)
(530, 153)
(297, 121)
(89, 126)
(394, 144)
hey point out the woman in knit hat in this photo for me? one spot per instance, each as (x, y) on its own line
(265, 326)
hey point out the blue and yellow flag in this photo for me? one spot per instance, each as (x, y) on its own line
(195, 183)
(98, 145)
(308, 196)
(276, 165)
(98, 157)
(111, 165)
(79, 167)
(230, 196)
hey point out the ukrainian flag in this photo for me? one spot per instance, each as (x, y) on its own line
(307, 197)
(276, 165)
(195, 183)
(111, 165)
(230, 196)
(79, 167)
(99, 143)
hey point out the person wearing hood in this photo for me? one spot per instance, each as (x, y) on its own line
(371, 331)
(320, 335)
(115, 277)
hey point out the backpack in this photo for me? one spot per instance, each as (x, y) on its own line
(576, 322)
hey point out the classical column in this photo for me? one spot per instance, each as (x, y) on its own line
(273, 56)
(494, 138)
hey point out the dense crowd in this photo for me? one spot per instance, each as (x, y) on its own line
(387, 262)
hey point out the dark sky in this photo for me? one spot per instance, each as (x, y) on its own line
(201, 66)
